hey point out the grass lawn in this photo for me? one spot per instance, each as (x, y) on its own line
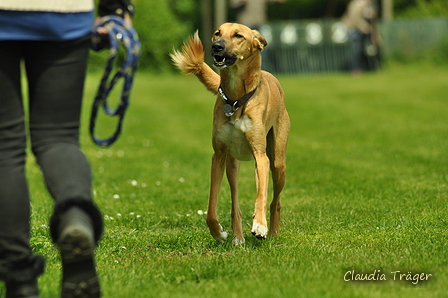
(366, 193)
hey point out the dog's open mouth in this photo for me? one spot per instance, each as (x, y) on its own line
(223, 61)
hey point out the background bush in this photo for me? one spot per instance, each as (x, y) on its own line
(161, 25)
(425, 8)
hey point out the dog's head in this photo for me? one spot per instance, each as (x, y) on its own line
(235, 42)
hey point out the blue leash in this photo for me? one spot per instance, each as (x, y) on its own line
(120, 33)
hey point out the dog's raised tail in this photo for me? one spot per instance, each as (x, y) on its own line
(190, 60)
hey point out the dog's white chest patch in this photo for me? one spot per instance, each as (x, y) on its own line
(233, 135)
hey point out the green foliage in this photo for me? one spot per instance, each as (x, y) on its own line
(162, 26)
(160, 30)
(439, 54)
(424, 8)
(306, 9)
(402, 5)
(436, 55)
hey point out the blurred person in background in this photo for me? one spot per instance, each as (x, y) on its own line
(52, 40)
(361, 19)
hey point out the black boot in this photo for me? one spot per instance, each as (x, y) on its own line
(22, 290)
(76, 243)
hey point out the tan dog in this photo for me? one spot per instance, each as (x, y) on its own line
(250, 121)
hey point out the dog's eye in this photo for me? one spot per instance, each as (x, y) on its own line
(238, 35)
(217, 33)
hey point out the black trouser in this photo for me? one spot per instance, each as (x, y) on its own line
(55, 74)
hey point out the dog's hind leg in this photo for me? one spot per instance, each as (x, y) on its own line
(277, 142)
(232, 170)
(217, 173)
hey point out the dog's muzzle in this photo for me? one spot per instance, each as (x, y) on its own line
(221, 58)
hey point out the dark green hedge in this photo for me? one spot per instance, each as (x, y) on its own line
(161, 25)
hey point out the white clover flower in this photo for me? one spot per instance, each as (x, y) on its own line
(116, 196)
(131, 140)
(158, 183)
(134, 182)
(147, 143)
(181, 179)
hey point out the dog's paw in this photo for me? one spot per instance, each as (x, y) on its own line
(222, 237)
(237, 241)
(260, 231)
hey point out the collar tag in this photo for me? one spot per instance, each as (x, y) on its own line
(228, 110)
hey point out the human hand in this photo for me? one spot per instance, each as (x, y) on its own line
(104, 32)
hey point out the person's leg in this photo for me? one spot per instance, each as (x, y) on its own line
(56, 73)
(18, 265)
(356, 51)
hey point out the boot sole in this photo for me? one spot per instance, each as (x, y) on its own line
(80, 278)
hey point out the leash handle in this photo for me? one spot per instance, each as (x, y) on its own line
(119, 33)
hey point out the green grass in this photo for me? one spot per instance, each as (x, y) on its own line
(366, 190)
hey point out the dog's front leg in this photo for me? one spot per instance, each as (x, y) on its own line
(217, 172)
(259, 226)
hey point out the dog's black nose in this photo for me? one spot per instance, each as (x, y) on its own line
(217, 46)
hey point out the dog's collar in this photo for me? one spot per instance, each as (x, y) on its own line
(232, 105)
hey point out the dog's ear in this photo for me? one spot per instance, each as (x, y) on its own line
(259, 41)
